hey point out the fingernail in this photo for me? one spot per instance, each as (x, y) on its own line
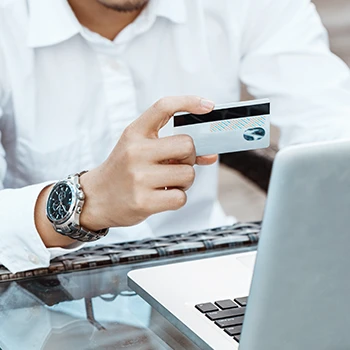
(207, 104)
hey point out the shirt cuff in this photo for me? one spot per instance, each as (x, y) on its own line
(21, 246)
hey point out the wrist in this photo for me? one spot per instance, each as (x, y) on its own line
(92, 215)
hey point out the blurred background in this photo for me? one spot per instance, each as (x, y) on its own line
(242, 198)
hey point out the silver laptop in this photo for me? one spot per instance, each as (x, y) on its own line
(299, 286)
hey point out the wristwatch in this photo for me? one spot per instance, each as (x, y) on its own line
(64, 206)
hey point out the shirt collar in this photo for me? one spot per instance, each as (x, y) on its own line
(53, 21)
(174, 10)
(50, 22)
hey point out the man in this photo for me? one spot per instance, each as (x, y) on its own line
(75, 75)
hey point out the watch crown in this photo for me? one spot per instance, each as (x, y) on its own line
(81, 195)
(79, 210)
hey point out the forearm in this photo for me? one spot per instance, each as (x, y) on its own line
(22, 247)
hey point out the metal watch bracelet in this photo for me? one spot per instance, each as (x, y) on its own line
(71, 227)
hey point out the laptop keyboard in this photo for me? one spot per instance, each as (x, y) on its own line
(227, 314)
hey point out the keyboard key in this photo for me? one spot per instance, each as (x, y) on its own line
(237, 338)
(226, 304)
(242, 301)
(217, 315)
(206, 307)
(233, 330)
(230, 322)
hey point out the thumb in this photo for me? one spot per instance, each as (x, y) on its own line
(207, 160)
(154, 118)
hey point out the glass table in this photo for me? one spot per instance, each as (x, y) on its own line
(90, 306)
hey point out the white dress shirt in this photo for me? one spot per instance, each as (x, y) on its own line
(67, 94)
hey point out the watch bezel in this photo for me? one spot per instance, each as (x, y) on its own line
(72, 206)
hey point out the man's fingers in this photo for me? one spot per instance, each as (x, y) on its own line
(154, 118)
(171, 199)
(177, 149)
(207, 160)
(173, 175)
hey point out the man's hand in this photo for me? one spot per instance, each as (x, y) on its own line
(144, 174)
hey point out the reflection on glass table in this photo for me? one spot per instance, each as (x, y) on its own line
(94, 308)
(91, 311)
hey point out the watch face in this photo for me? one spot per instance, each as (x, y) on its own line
(60, 202)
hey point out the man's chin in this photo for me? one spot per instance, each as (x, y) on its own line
(124, 5)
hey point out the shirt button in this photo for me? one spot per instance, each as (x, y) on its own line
(34, 259)
(113, 64)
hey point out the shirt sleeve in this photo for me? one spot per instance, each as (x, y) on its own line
(21, 247)
(286, 57)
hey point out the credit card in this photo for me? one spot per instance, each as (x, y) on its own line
(230, 127)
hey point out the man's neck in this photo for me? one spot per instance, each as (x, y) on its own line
(100, 19)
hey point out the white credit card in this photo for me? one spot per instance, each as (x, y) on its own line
(230, 127)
